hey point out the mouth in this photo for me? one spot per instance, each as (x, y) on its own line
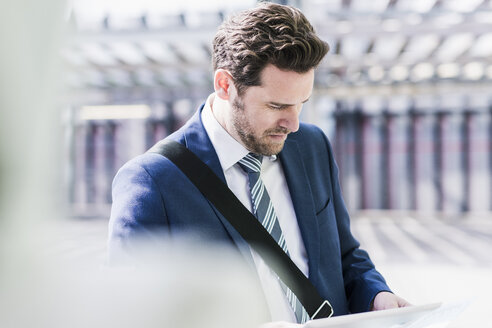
(278, 137)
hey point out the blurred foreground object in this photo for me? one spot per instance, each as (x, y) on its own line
(182, 287)
(40, 290)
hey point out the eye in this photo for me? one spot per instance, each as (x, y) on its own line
(276, 107)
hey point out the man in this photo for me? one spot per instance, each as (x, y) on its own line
(264, 61)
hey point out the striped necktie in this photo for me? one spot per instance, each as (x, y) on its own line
(264, 212)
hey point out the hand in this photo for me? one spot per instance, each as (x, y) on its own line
(280, 324)
(387, 300)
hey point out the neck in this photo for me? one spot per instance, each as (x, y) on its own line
(221, 111)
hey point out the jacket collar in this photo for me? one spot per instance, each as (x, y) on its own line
(197, 140)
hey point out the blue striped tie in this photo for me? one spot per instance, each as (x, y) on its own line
(263, 209)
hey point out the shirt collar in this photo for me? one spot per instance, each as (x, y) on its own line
(228, 149)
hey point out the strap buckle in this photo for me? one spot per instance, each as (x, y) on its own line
(325, 310)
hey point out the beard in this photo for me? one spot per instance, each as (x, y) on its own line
(257, 144)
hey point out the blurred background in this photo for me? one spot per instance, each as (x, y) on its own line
(404, 95)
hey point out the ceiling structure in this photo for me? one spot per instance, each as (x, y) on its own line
(155, 52)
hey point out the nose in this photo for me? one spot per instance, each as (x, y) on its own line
(290, 119)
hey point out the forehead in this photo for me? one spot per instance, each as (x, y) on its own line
(280, 86)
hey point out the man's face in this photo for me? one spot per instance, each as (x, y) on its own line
(264, 115)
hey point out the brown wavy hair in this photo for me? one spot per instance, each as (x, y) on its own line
(267, 34)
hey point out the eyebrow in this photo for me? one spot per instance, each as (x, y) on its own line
(285, 105)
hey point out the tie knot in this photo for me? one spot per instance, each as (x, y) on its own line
(251, 163)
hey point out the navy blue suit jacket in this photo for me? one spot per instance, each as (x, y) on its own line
(151, 195)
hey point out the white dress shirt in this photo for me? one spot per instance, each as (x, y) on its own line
(230, 152)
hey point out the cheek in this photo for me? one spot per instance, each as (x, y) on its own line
(261, 120)
(258, 121)
(263, 125)
(270, 121)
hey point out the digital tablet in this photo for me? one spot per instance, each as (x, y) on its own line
(375, 319)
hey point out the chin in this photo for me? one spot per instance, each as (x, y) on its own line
(272, 149)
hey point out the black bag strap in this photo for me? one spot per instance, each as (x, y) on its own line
(246, 224)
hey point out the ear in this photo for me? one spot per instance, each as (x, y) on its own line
(223, 84)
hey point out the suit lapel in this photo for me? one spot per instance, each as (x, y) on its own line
(301, 194)
(197, 140)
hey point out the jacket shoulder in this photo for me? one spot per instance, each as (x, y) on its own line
(310, 132)
(310, 137)
(152, 163)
